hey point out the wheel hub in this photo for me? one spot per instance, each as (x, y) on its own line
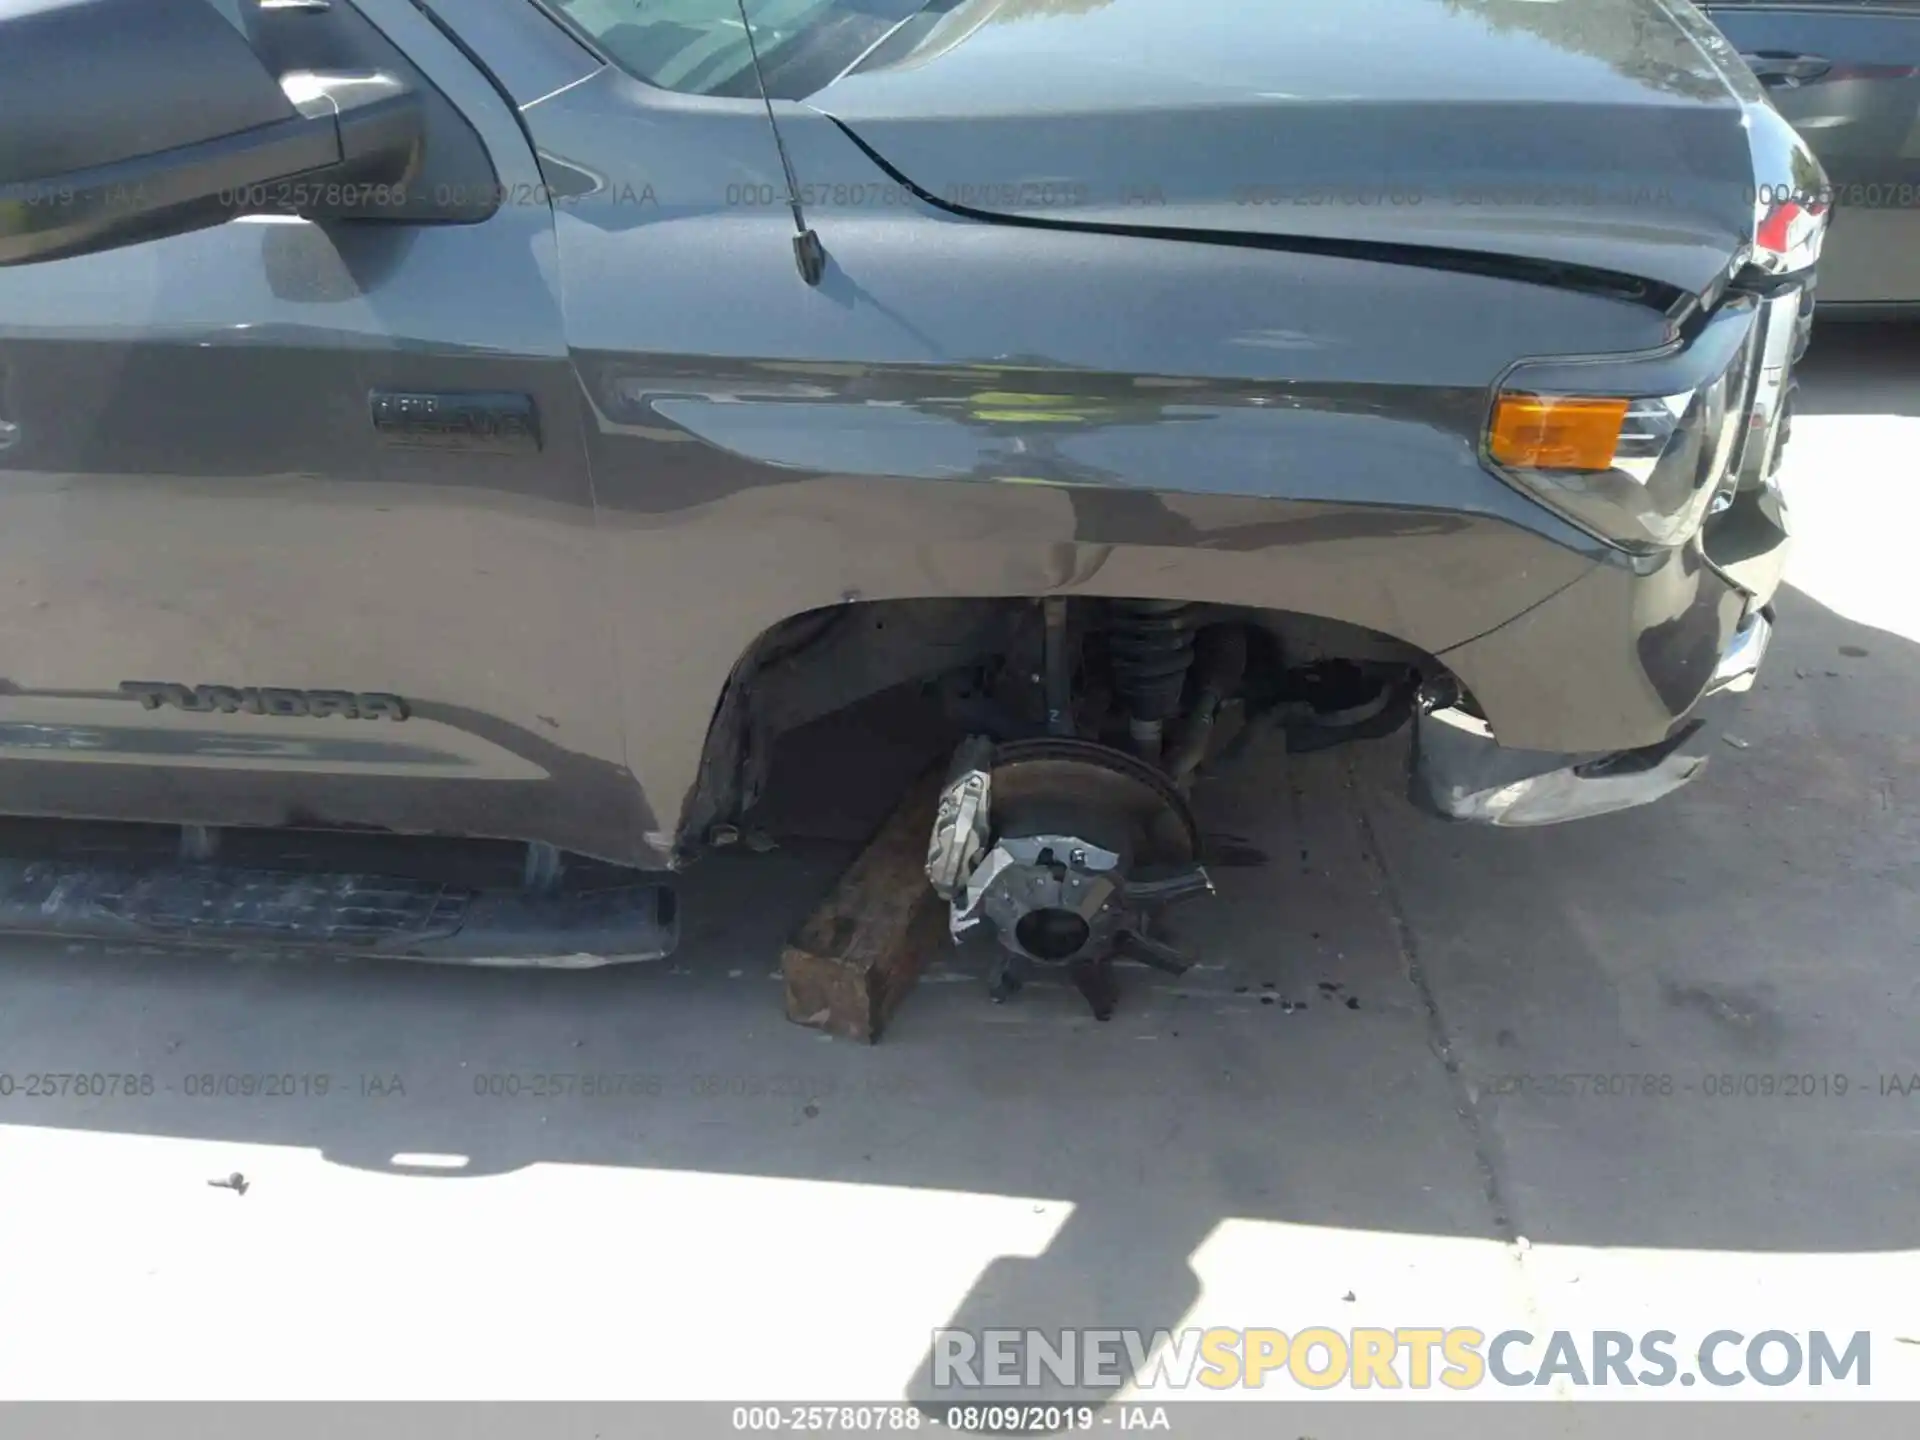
(1067, 849)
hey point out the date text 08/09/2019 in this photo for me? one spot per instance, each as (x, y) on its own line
(1719, 1085)
(199, 1085)
(1001, 1419)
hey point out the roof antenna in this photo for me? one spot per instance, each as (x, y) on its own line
(807, 249)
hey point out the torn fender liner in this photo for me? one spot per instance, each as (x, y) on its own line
(372, 915)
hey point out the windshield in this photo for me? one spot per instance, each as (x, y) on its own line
(700, 47)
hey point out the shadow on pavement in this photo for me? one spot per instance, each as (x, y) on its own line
(1761, 923)
(1379, 1040)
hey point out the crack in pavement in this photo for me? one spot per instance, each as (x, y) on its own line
(1486, 1154)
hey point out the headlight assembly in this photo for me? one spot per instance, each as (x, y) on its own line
(1632, 448)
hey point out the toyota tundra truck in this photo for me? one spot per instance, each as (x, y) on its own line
(461, 421)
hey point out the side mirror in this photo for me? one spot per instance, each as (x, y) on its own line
(127, 120)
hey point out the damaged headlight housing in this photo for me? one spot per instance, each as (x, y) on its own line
(1633, 448)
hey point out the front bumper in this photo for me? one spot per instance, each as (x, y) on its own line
(1461, 773)
(1613, 692)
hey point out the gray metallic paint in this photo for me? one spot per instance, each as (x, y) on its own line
(1474, 125)
(526, 54)
(195, 493)
(961, 409)
(1251, 427)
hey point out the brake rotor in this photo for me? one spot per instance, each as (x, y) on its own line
(1076, 845)
(1106, 796)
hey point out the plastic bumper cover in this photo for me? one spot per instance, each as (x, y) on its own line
(1460, 773)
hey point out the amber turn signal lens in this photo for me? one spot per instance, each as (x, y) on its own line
(1556, 432)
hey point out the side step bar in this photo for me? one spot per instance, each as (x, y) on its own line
(339, 914)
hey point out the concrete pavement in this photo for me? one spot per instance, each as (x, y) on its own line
(1428, 1076)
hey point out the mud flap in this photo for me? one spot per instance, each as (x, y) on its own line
(351, 914)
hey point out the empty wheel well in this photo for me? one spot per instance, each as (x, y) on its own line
(1317, 679)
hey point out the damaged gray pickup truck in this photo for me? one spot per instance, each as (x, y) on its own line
(499, 420)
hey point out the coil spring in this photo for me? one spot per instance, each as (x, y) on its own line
(1151, 644)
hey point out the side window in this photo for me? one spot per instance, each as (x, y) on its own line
(701, 47)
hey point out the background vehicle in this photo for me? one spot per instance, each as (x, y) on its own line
(1847, 74)
(413, 421)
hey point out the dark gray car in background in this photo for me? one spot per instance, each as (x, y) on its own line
(486, 419)
(1847, 74)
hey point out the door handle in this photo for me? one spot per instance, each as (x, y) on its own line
(1785, 70)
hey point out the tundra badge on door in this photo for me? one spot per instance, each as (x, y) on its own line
(253, 700)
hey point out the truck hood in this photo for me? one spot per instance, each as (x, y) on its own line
(1586, 133)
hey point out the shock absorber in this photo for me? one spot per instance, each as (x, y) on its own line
(1151, 644)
